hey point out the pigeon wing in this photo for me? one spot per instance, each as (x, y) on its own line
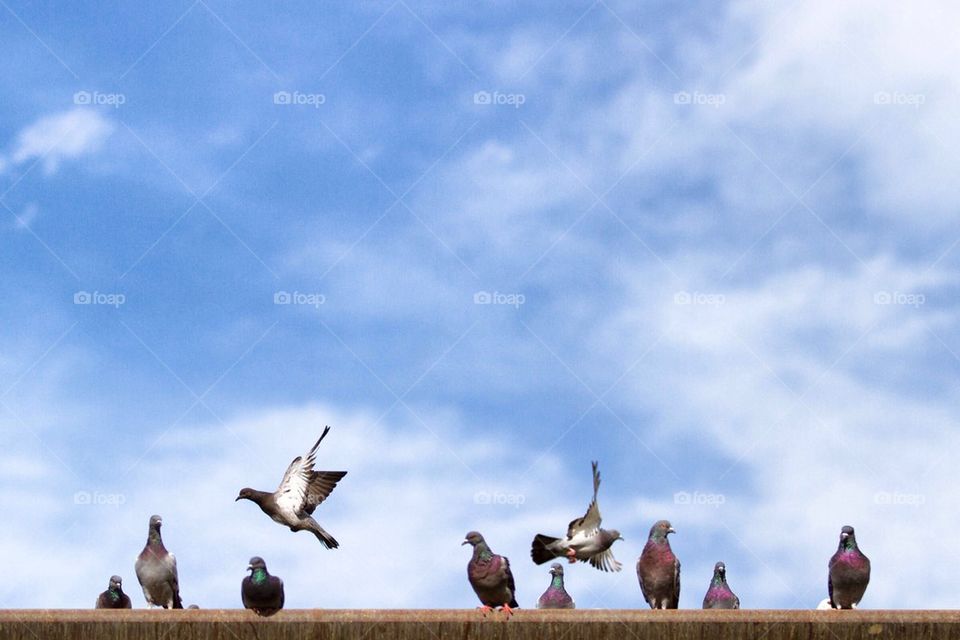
(291, 496)
(590, 522)
(605, 561)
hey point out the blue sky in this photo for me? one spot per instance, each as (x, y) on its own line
(719, 243)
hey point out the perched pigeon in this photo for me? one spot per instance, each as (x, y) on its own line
(193, 606)
(849, 572)
(261, 592)
(490, 576)
(114, 597)
(659, 570)
(585, 540)
(299, 493)
(157, 571)
(719, 595)
(556, 597)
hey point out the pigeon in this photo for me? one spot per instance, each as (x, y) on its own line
(849, 572)
(556, 597)
(490, 576)
(585, 540)
(659, 570)
(114, 597)
(261, 592)
(719, 595)
(299, 493)
(157, 571)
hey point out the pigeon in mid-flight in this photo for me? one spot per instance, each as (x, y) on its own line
(490, 576)
(157, 571)
(298, 495)
(719, 595)
(261, 592)
(585, 540)
(556, 597)
(659, 570)
(114, 597)
(849, 572)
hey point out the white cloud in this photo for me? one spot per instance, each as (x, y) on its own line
(63, 136)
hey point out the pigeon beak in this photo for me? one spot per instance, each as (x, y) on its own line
(671, 530)
(464, 542)
(237, 499)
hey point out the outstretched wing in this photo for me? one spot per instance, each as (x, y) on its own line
(605, 561)
(590, 522)
(302, 488)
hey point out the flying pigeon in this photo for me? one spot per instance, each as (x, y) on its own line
(849, 572)
(556, 597)
(659, 570)
(157, 571)
(299, 493)
(490, 576)
(585, 540)
(114, 597)
(719, 595)
(261, 592)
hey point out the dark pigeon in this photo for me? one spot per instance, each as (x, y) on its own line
(298, 495)
(849, 572)
(556, 597)
(585, 540)
(490, 576)
(157, 570)
(114, 597)
(719, 595)
(261, 592)
(659, 570)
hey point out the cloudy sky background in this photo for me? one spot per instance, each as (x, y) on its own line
(719, 242)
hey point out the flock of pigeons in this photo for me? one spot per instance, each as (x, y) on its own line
(303, 489)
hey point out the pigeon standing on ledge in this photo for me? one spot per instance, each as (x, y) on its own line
(157, 570)
(556, 597)
(659, 570)
(585, 540)
(298, 495)
(261, 592)
(719, 595)
(490, 576)
(849, 572)
(114, 597)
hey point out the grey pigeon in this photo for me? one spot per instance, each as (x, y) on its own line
(719, 595)
(659, 570)
(585, 540)
(490, 576)
(114, 597)
(556, 597)
(157, 570)
(260, 591)
(849, 572)
(298, 495)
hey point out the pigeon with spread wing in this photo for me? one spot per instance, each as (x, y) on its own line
(298, 495)
(585, 540)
